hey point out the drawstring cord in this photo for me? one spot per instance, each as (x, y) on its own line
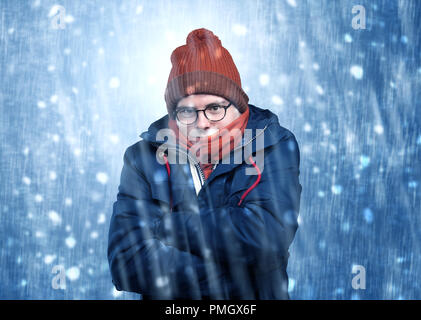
(259, 175)
(169, 180)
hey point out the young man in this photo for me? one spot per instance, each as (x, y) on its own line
(207, 226)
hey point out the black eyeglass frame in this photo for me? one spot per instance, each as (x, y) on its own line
(210, 105)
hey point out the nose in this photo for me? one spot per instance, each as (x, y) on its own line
(202, 122)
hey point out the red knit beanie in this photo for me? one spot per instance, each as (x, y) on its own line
(203, 66)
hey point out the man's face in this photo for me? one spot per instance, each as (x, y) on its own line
(204, 127)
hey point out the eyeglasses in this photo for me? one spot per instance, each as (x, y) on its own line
(214, 112)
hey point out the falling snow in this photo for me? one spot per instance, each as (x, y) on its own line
(70, 242)
(357, 72)
(54, 217)
(74, 99)
(114, 81)
(102, 177)
(73, 273)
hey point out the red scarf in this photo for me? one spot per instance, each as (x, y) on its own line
(202, 149)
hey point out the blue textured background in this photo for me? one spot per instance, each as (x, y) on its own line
(72, 100)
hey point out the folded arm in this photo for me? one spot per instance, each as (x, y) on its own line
(139, 261)
(260, 231)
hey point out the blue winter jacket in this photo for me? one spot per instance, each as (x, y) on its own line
(228, 242)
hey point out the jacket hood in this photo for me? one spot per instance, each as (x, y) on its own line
(259, 118)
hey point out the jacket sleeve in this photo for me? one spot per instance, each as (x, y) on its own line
(140, 262)
(258, 232)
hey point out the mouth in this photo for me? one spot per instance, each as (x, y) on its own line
(201, 134)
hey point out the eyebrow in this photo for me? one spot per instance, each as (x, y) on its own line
(220, 102)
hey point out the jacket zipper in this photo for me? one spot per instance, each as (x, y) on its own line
(195, 163)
